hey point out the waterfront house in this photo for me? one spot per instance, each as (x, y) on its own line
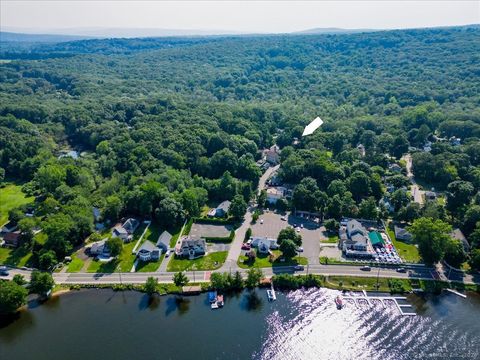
(190, 247)
(163, 242)
(354, 239)
(148, 251)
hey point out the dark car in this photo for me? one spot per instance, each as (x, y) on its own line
(299, 268)
(401, 270)
(366, 268)
(4, 271)
(246, 247)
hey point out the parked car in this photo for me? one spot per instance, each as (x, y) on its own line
(246, 246)
(249, 242)
(261, 221)
(366, 268)
(401, 270)
(284, 218)
(298, 229)
(299, 268)
(167, 254)
(299, 249)
(301, 225)
(4, 271)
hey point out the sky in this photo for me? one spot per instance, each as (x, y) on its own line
(236, 16)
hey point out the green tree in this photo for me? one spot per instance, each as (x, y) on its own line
(368, 208)
(248, 234)
(180, 279)
(15, 215)
(331, 225)
(289, 233)
(459, 193)
(115, 246)
(41, 282)
(26, 226)
(454, 253)
(49, 177)
(474, 259)
(262, 198)
(432, 237)
(12, 296)
(19, 279)
(151, 285)
(238, 207)
(47, 259)
(254, 276)
(237, 282)
(288, 248)
(113, 208)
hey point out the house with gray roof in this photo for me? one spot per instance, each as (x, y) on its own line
(221, 210)
(191, 247)
(354, 239)
(148, 251)
(163, 241)
(401, 233)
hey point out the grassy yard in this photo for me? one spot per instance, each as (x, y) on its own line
(263, 261)
(209, 262)
(103, 267)
(363, 283)
(15, 257)
(75, 265)
(332, 239)
(126, 258)
(11, 196)
(149, 266)
(407, 252)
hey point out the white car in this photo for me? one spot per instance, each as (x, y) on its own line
(298, 229)
(261, 221)
(299, 249)
(167, 254)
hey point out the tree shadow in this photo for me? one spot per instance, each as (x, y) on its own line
(251, 302)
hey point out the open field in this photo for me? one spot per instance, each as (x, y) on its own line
(11, 196)
(209, 262)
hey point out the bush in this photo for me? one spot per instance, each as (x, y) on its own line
(248, 234)
(397, 286)
(291, 282)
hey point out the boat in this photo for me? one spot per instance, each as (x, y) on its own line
(339, 302)
(271, 294)
(214, 305)
(212, 297)
(220, 302)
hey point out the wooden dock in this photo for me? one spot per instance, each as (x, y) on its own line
(383, 300)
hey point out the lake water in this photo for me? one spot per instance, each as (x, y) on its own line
(102, 324)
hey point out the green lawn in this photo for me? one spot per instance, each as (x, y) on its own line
(332, 239)
(75, 265)
(103, 267)
(15, 257)
(407, 252)
(209, 262)
(364, 283)
(11, 196)
(126, 258)
(149, 266)
(263, 261)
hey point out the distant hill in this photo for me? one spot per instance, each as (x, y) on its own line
(44, 38)
(316, 31)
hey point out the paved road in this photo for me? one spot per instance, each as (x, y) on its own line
(414, 188)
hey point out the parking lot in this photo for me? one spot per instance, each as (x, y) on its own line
(210, 230)
(311, 232)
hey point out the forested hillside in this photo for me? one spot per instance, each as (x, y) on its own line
(165, 125)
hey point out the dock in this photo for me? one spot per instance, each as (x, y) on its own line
(457, 293)
(371, 300)
(271, 294)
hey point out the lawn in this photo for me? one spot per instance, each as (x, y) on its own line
(149, 266)
(75, 265)
(11, 196)
(407, 252)
(103, 267)
(126, 258)
(15, 257)
(209, 262)
(331, 239)
(364, 283)
(263, 261)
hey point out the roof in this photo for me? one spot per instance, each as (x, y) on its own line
(354, 226)
(164, 239)
(148, 246)
(375, 238)
(97, 245)
(130, 225)
(11, 236)
(224, 205)
(120, 229)
(400, 231)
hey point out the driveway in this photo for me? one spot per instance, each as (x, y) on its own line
(414, 188)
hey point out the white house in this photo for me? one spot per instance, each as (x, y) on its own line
(264, 244)
(190, 247)
(275, 193)
(148, 251)
(272, 155)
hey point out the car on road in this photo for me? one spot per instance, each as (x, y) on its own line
(401, 270)
(4, 271)
(298, 267)
(366, 268)
(284, 218)
(261, 221)
(299, 249)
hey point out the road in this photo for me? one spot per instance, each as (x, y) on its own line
(414, 188)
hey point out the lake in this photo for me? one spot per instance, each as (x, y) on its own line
(303, 324)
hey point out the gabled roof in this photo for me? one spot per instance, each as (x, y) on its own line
(224, 205)
(11, 236)
(164, 239)
(148, 246)
(354, 226)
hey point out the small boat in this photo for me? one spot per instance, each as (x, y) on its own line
(339, 302)
(214, 305)
(220, 302)
(271, 294)
(212, 296)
